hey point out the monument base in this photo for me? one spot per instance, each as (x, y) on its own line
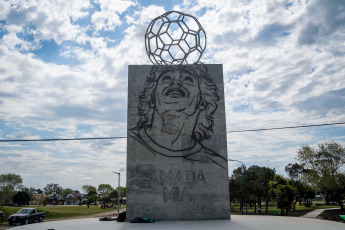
(177, 167)
(237, 222)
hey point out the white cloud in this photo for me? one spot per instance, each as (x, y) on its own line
(322, 21)
(5, 7)
(13, 42)
(22, 134)
(108, 18)
(68, 168)
(47, 19)
(51, 96)
(105, 21)
(145, 15)
(118, 6)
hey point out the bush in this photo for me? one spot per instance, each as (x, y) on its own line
(308, 204)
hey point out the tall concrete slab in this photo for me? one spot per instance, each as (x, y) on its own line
(177, 166)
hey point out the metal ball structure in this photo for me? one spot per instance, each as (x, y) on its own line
(175, 38)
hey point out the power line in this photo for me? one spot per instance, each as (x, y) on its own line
(287, 127)
(63, 139)
(111, 138)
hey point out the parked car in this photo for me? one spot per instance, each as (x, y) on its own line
(26, 216)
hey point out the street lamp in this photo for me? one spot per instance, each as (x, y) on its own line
(118, 195)
(244, 183)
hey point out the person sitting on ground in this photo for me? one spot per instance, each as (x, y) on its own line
(259, 210)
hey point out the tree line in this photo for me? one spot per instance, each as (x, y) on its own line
(13, 192)
(105, 193)
(318, 171)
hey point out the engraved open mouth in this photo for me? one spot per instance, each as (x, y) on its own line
(175, 93)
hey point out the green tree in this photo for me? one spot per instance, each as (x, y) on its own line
(52, 188)
(113, 194)
(304, 193)
(257, 179)
(104, 191)
(294, 171)
(235, 190)
(88, 188)
(22, 188)
(67, 191)
(91, 197)
(21, 198)
(323, 166)
(123, 192)
(282, 190)
(236, 187)
(337, 189)
(8, 184)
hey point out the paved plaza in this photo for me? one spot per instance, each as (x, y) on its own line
(237, 222)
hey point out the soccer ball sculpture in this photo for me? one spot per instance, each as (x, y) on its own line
(175, 38)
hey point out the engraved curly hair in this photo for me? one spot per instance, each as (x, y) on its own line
(208, 94)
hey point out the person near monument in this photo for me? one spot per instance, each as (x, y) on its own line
(2, 214)
(176, 110)
(258, 210)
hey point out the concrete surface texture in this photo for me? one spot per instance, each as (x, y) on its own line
(236, 222)
(177, 165)
(316, 212)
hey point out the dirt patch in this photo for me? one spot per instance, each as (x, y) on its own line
(3, 226)
(332, 215)
(296, 213)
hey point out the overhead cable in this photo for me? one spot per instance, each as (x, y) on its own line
(287, 127)
(111, 138)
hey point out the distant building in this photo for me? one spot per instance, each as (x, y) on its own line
(56, 199)
(319, 197)
(71, 199)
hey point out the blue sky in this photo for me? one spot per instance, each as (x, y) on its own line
(64, 75)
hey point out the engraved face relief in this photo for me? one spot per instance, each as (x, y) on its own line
(176, 113)
(177, 93)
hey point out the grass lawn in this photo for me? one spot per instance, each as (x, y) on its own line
(59, 211)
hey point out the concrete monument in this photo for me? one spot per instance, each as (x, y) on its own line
(177, 165)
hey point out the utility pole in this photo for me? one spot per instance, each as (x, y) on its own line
(244, 183)
(118, 195)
